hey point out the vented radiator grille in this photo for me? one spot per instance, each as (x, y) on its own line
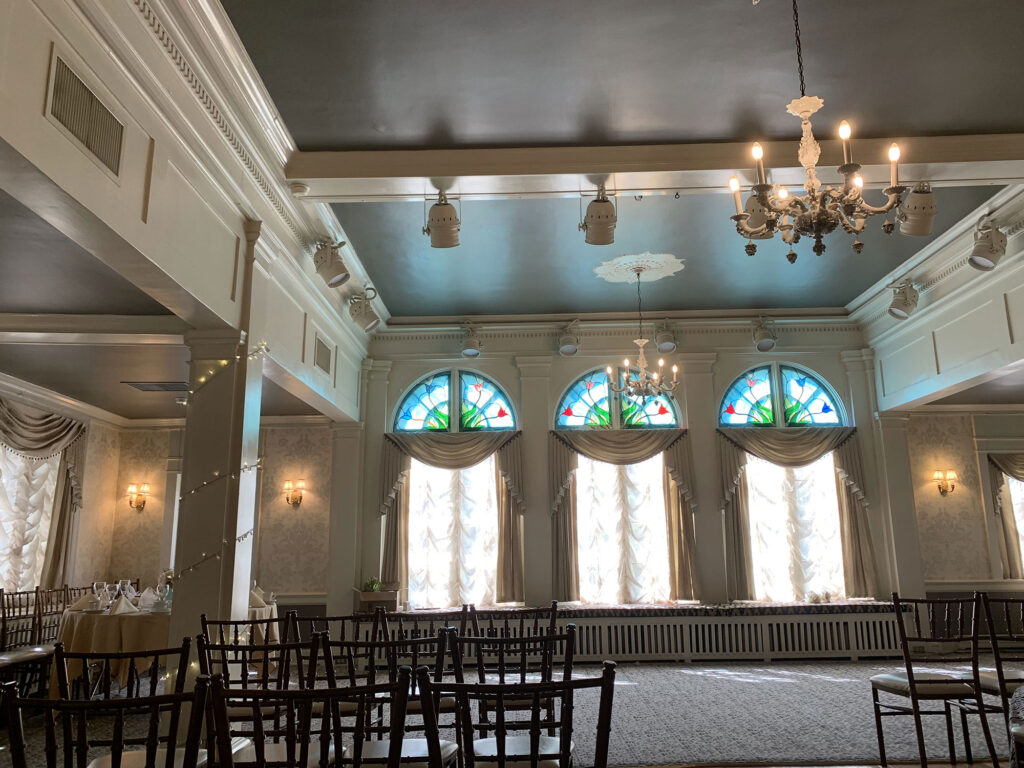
(76, 107)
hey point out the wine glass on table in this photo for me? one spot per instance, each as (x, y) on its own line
(112, 591)
(124, 586)
(99, 591)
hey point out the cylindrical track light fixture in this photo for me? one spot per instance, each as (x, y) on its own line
(764, 334)
(904, 300)
(360, 309)
(917, 214)
(600, 220)
(329, 265)
(443, 223)
(989, 246)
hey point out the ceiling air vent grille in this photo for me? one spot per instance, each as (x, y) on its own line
(322, 355)
(158, 386)
(76, 107)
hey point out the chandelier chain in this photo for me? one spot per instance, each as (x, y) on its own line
(639, 305)
(799, 50)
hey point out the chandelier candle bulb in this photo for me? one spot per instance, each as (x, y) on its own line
(734, 186)
(844, 135)
(894, 163)
(758, 154)
(783, 193)
(858, 181)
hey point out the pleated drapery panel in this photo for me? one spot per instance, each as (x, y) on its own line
(454, 451)
(67, 504)
(999, 465)
(797, 447)
(27, 487)
(36, 434)
(622, 447)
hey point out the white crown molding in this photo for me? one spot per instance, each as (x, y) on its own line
(40, 397)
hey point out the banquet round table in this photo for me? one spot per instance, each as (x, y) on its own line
(86, 632)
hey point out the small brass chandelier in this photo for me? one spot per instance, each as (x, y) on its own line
(645, 383)
(822, 209)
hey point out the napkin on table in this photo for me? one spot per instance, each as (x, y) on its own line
(122, 605)
(258, 592)
(82, 603)
(147, 598)
(255, 600)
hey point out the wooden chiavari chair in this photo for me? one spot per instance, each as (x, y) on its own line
(309, 739)
(68, 738)
(1004, 618)
(513, 622)
(51, 604)
(413, 624)
(22, 657)
(87, 675)
(248, 631)
(505, 660)
(934, 631)
(519, 737)
(73, 593)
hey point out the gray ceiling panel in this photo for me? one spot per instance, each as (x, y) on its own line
(457, 73)
(526, 256)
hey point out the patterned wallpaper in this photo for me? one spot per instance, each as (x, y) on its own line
(293, 542)
(951, 528)
(96, 519)
(135, 545)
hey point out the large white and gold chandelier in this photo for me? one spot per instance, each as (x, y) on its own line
(822, 209)
(643, 383)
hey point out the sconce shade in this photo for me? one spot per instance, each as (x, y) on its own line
(293, 491)
(137, 495)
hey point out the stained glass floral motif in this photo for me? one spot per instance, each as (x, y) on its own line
(806, 400)
(649, 412)
(749, 400)
(484, 405)
(586, 404)
(425, 408)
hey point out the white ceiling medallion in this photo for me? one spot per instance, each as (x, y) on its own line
(650, 267)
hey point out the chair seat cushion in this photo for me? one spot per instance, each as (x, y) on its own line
(136, 758)
(517, 751)
(930, 685)
(989, 679)
(415, 752)
(278, 753)
(444, 704)
(25, 655)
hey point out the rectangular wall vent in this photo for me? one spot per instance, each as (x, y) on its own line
(322, 355)
(76, 107)
(158, 386)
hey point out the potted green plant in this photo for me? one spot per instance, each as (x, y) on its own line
(374, 592)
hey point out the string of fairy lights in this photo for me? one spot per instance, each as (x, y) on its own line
(207, 557)
(259, 351)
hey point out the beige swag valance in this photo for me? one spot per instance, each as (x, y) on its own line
(795, 447)
(458, 450)
(622, 446)
(1012, 464)
(35, 434)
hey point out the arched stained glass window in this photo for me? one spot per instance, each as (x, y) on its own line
(749, 400)
(480, 403)
(425, 408)
(590, 404)
(780, 396)
(806, 400)
(484, 405)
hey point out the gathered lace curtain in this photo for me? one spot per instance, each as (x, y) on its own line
(591, 499)
(451, 480)
(41, 462)
(795, 448)
(1006, 479)
(622, 531)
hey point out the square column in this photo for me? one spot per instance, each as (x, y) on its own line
(899, 506)
(535, 421)
(343, 560)
(374, 412)
(701, 409)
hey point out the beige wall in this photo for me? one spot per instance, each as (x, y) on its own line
(136, 537)
(99, 491)
(953, 537)
(293, 549)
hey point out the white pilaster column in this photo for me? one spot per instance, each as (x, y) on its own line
(346, 469)
(218, 482)
(860, 372)
(535, 421)
(899, 506)
(374, 409)
(701, 408)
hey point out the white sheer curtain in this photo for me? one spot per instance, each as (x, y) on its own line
(453, 535)
(796, 547)
(1016, 490)
(26, 507)
(622, 532)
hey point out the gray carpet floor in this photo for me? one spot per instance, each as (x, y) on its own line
(780, 713)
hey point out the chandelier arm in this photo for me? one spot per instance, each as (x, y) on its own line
(854, 226)
(744, 230)
(893, 199)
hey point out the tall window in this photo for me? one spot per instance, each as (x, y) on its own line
(621, 526)
(453, 514)
(795, 543)
(27, 488)
(1015, 488)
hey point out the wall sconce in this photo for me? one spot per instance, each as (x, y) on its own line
(137, 495)
(293, 492)
(945, 480)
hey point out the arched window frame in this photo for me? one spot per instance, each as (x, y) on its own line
(615, 404)
(776, 387)
(454, 401)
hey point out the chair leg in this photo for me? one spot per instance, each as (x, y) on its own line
(878, 728)
(988, 733)
(967, 735)
(949, 733)
(920, 732)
